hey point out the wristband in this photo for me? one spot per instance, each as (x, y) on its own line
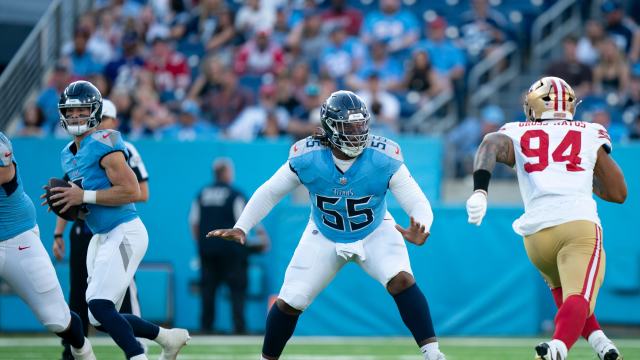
(89, 197)
(481, 180)
(55, 236)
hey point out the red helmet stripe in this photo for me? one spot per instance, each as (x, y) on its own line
(556, 92)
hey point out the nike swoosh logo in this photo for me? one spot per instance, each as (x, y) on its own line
(23, 247)
(295, 148)
(7, 154)
(397, 151)
(106, 136)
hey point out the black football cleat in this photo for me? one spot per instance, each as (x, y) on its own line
(612, 354)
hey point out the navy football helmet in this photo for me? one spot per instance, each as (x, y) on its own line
(80, 94)
(345, 121)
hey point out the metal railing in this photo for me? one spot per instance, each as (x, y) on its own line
(426, 120)
(27, 69)
(551, 27)
(493, 73)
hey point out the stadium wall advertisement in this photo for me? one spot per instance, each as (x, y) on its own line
(478, 280)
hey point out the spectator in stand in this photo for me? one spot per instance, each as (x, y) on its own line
(285, 94)
(49, 97)
(446, 57)
(622, 29)
(105, 38)
(384, 107)
(122, 72)
(281, 26)
(389, 70)
(32, 121)
(587, 49)
(305, 118)
(201, 25)
(123, 102)
(602, 115)
(422, 78)
(341, 14)
(611, 75)
(82, 61)
(300, 77)
(307, 40)
(209, 80)
(253, 16)
(169, 68)
(189, 126)
(569, 68)
(634, 131)
(265, 117)
(398, 29)
(227, 102)
(464, 139)
(259, 56)
(342, 56)
(225, 37)
(482, 30)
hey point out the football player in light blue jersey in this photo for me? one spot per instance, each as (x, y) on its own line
(104, 184)
(26, 266)
(347, 173)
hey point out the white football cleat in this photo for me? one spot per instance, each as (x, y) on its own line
(85, 352)
(171, 341)
(548, 351)
(435, 356)
(606, 350)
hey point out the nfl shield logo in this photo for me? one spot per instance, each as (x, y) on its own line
(343, 180)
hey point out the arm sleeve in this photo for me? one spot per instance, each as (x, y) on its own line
(267, 196)
(411, 198)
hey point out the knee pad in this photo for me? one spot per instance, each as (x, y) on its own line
(58, 322)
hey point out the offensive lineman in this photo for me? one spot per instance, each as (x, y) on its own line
(96, 160)
(347, 174)
(26, 266)
(560, 162)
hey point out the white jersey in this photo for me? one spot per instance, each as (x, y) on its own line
(554, 163)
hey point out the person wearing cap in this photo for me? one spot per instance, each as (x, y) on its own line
(397, 28)
(221, 261)
(80, 236)
(189, 126)
(447, 58)
(254, 120)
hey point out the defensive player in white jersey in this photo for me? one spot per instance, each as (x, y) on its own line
(560, 162)
(347, 173)
(104, 184)
(25, 264)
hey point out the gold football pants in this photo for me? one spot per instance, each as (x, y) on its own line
(570, 256)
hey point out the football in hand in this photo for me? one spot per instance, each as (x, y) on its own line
(72, 212)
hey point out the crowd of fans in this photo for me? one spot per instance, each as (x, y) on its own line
(199, 69)
(204, 69)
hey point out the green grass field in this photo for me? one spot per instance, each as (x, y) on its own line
(301, 348)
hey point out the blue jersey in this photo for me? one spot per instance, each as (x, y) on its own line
(347, 206)
(83, 168)
(17, 213)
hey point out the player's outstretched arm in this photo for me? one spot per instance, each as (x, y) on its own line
(608, 179)
(495, 147)
(413, 201)
(260, 204)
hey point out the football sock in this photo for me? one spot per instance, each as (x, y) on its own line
(414, 311)
(280, 327)
(560, 346)
(142, 328)
(73, 334)
(571, 319)
(116, 326)
(590, 325)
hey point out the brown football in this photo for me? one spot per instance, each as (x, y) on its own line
(72, 213)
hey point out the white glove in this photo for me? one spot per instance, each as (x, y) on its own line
(477, 207)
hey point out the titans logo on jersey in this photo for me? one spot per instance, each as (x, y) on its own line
(83, 168)
(347, 206)
(17, 213)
